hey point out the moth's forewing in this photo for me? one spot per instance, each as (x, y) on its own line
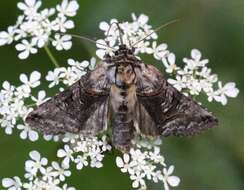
(172, 112)
(146, 125)
(69, 111)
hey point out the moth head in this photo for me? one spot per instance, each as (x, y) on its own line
(125, 75)
(124, 51)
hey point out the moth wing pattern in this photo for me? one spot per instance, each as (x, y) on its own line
(144, 122)
(172, 111)
(82, 108)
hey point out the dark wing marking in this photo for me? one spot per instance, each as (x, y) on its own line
(172, 112)
(98, 121)
(81, 108)
(144, 122)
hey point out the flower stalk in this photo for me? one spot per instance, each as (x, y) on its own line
(51, 56)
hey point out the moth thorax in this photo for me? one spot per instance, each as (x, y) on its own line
(123, 100)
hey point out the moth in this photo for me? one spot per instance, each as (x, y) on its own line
(129, 96)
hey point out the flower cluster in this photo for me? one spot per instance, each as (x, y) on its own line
(71, 74)
(13, 104)
(82, 150)
(39, 175)
(17, 101)
(195, 78)
(35, 28)
(131, 34)
(147, 163)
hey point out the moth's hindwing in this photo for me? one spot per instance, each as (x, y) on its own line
(172, 112)
(82, 108)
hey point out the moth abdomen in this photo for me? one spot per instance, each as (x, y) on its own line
(123, 133)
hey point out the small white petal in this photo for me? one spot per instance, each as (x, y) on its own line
(23, 78)
(8, 130)
(104, 26)
(35, 76)
(61, 153)
(20, 47)
(35, 155)
(231, 90)
(126, 158)
(7, 182)
(23, 135)
(171, 58)
(135, 184)
(85, 64)
(196, 54)
(119, 162)
(33, 135)
(173, 181)
(24, 54)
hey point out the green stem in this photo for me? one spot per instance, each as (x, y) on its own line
(50, 55)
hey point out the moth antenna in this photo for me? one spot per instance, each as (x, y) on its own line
(120, 31)
(107, 33)
(87, 39)
(157, 29)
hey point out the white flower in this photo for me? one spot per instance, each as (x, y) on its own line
(81, 161)
(27, 132)
(67, 8)
(35, 28)
(141, 20)
(41, 39)
(62, 24)
(169, 63)
(228, 90)
(196, 60)
(159, 52)
(67, 154)
(53, 76)
(138, 180)
(103, 49)
(96, 157)
(169, 180)
(36, 164)
(26, 48)
(30, 7)
(60, 172)
(8, 126)
(47, 174)
(179, 83)
(23, 91)
(41, 98)
(12, 184)
(33, 81)
(157, 176)
(156, 157)
(7, 37)
(103, 143)
(124, 164)
(8, 89)
(62, 42)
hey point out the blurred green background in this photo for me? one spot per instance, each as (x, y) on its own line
(211, 161)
